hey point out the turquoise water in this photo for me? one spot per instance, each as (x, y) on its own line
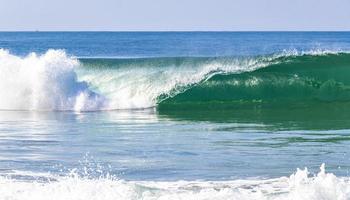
(215, 115)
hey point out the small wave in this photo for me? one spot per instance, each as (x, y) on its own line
(300, 185)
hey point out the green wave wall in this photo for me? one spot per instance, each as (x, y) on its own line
(291, 79)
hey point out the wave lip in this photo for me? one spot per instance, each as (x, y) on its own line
(298, 186)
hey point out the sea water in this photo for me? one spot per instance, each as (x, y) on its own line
(174, 115)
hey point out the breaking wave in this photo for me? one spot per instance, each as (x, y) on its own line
(44, 82)
(57, 81)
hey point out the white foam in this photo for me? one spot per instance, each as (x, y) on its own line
(299, 186)
(43, 82)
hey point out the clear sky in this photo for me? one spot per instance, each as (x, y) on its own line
(197, 15)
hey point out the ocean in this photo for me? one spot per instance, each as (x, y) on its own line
(174, 115)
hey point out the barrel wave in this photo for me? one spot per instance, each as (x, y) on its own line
(57, 81)
(297, 79)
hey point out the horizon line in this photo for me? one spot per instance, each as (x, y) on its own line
(174, 31)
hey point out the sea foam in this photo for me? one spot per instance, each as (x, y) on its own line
(43, 82)
(299, 186)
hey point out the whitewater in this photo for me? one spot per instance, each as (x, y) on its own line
(298, 186)
(46, 82)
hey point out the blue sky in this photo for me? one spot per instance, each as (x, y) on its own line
(168, 15)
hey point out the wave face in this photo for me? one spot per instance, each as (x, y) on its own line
(144, 82)
(175, 83)
(290, 79)
(299, 185)
(55, 81)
